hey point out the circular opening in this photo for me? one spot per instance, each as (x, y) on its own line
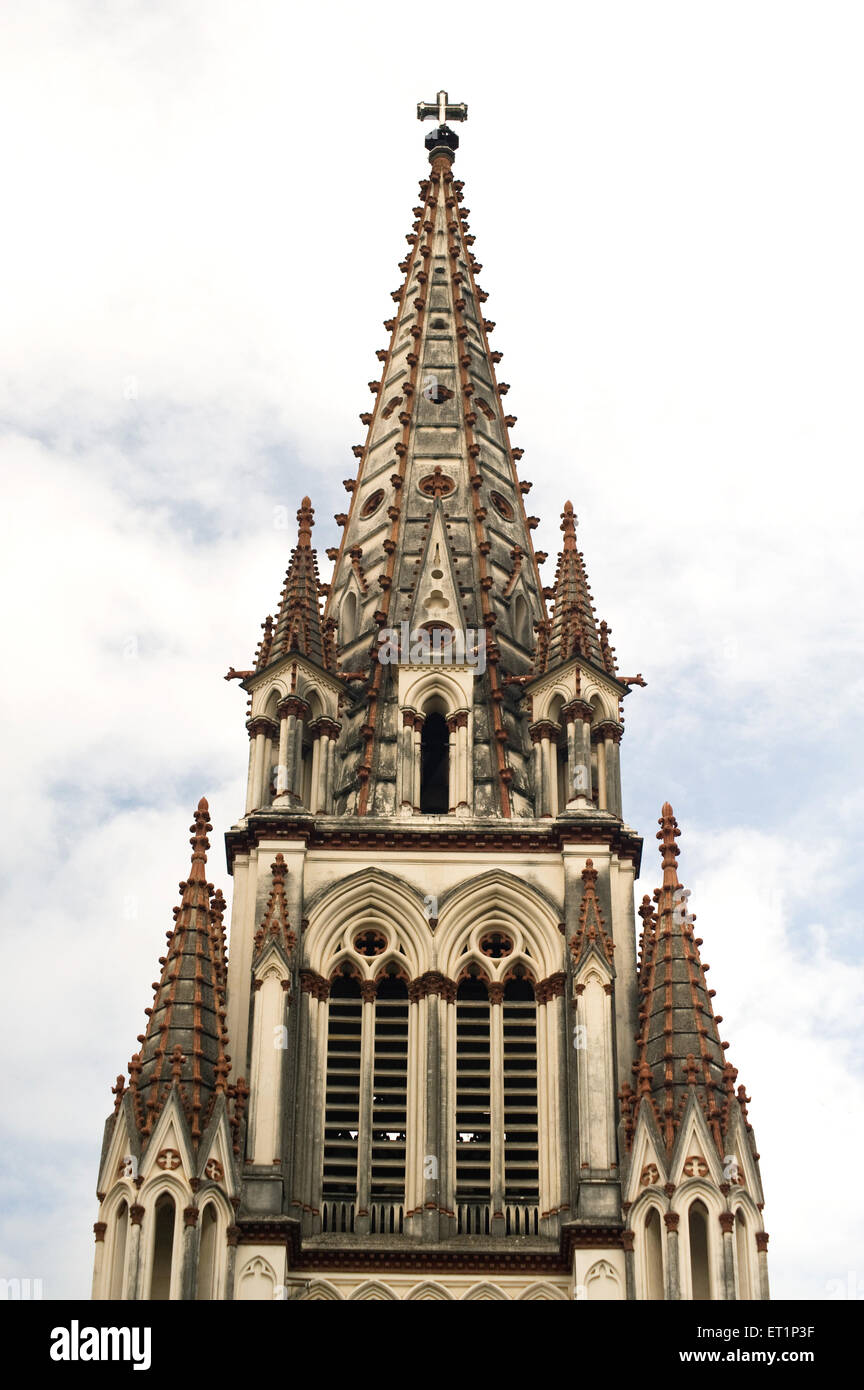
(501, 505)
(373, 502)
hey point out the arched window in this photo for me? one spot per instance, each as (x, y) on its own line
(389, 1096)
(742, 1251)
(497, 1167)
(519, 1051)
(116, 1283)
(654, 1279)
(348, 619)
(207, 1253)
(700, 1270)
(163, 1247)
(473, 1092)
(342, 1112)
(435, 765)
(521, 621)
(365, 1128)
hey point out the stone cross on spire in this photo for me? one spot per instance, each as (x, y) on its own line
(441, 110)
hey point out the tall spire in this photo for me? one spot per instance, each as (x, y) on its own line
(185, 1041)
(679, 1051)
(298, 622)
(573, 630)
(438, 436)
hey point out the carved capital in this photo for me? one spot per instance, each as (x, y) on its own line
(136, 1214)
(433, 982)
(313, 983)
(99, 1229)
(670, 1221)
(762, 1242)
(727, 1222)
(627, 1240)
(190, 1216)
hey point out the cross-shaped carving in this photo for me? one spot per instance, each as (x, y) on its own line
(441, 110)
(370, 943)
(496, 945)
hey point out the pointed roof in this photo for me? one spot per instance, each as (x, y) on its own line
(573, 630)
(591, 934)
(275, 927)
(185, 1041)
(439, 433)
(298, 626)
(678, 1050)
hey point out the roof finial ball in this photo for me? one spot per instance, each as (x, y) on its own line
(442, 142)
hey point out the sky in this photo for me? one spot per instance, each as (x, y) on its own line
(205, 206)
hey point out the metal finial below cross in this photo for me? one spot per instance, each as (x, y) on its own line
(441, 110)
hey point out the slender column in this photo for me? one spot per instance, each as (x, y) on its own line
(325, 732)
(727, 1223)
(610, 733)
(133, 1275)
(544, 1098)
(600, 751)
(250, 781)
(573, 779)
(762, 1248)
(551, 750)
(627, 1239)
(496, 1096)
(405, 763)
(430, 1094)
(319, 755)
(462, 759)
(259, 729)
(452, 768)
(282, 772)
(416, 1183)
(541, 734)
(419, 721)
(191, 1240)
(331, 736)
(319, 991)
(538, 776)
(469, 766)
(362, 1222)
(673, 1274)
(99, 1229)
(232, 1236)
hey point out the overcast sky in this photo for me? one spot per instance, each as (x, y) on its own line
(205, 205)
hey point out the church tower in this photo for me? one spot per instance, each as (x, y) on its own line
(450, 1074)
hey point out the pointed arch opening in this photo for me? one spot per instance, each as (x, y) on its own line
(742, 1253)
(348, 619)
(521, 621)
(700, 1268)
(655, 1287)
(435, 765)
(116, 1282)
(164, 1219)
